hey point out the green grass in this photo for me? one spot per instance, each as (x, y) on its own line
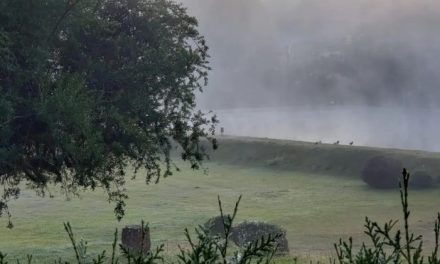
(315, 209)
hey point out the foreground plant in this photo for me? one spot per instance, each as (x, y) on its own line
(213, 249)
(387, 245)
(205, 248)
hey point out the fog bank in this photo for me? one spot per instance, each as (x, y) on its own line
(372, 65)
(392, 127)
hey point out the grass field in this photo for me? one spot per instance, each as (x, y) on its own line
(316, 209)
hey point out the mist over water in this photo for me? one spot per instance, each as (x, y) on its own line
(366, 71)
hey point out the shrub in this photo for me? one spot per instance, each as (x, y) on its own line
(247, 232)
(382, 172)
(421, 180)
(215, 226)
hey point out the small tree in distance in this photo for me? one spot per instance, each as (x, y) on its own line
(90, 87)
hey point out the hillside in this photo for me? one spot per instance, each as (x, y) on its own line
(328, 159)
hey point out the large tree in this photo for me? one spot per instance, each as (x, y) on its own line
(90, 88)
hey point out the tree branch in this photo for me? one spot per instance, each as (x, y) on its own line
(70, 5)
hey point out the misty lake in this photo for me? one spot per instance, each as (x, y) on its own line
(396, 127)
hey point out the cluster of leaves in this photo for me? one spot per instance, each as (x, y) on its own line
(91, 87)
(387, 245)
(205, 249)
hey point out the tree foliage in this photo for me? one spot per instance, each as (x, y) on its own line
(90, 87)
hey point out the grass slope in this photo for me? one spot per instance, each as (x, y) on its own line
(327, 159)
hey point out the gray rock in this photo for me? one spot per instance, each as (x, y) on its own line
(135, 240)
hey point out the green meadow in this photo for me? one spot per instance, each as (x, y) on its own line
(315, 204)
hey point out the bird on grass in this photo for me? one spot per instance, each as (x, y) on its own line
(351, 143)
(336, 143)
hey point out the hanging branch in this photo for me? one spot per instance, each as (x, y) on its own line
(70, 5)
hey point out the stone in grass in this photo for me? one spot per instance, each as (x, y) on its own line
(132, 239)
(248, 232)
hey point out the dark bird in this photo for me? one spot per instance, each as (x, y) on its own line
(351, 143)
(336, 143)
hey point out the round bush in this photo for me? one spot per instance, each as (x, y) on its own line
(420, 180)
(215, 226)
(382, 172)
(248, 232)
